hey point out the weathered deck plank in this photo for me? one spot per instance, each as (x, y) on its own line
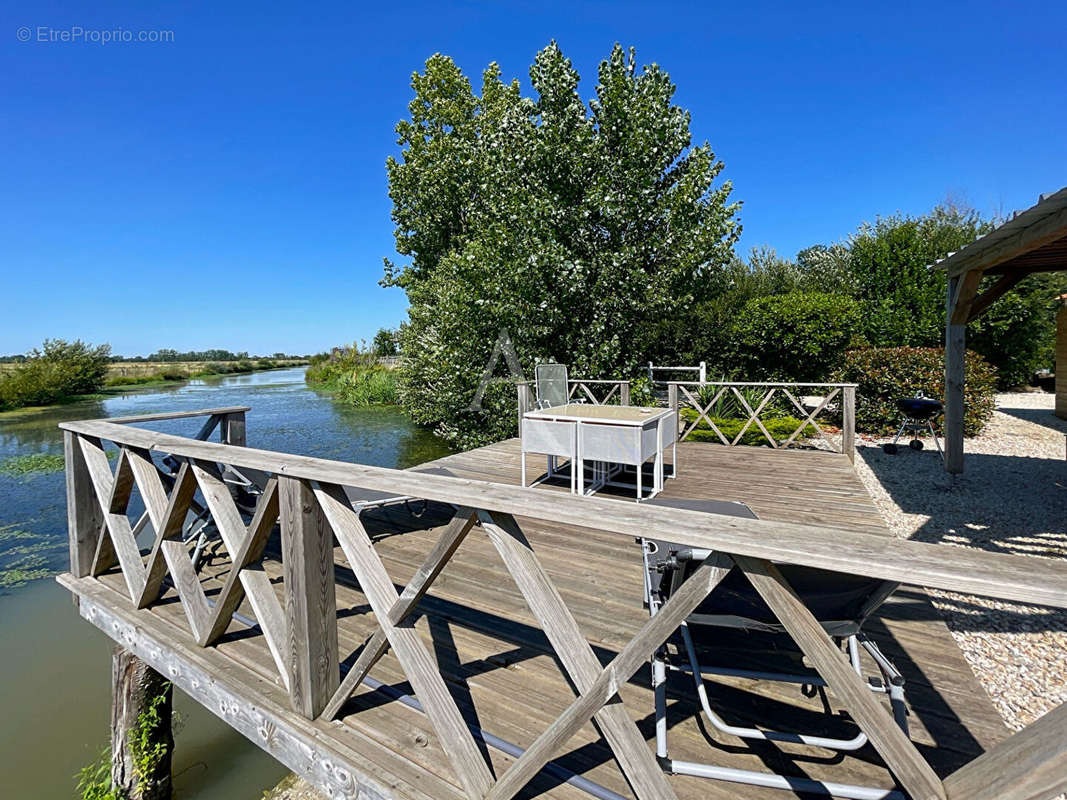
(499, 667)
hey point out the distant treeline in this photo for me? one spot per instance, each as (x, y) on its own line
(166, 354)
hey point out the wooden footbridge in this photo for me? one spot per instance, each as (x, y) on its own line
(489, 641)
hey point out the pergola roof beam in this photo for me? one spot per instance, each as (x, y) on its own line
(1029, 230)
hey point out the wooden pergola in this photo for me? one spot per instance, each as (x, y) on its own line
(1034, 240)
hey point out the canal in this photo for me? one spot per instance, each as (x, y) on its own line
(55, 669)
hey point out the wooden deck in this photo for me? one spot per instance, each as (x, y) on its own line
(501, 670)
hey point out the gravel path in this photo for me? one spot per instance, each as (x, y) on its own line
(1012, 498)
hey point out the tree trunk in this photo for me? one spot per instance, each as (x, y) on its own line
(134, 688)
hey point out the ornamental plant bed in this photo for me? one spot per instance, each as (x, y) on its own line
(780, 427)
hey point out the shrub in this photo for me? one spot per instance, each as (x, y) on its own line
(641, 392)
(129, 380)
(886, 374)
(793, 337)
(354, 376)
(1017, 333)
(780, 427)
(212, 368)
(60, 370)
(371, 387)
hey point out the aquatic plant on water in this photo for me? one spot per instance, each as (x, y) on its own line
(22, 557)
(30, 463)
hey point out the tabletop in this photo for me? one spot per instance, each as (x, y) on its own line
(586, 412)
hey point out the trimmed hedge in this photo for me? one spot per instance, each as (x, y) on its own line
(886, 374)
(781, 428)
(793, 337)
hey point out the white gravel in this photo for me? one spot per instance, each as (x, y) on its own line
(1011, 498)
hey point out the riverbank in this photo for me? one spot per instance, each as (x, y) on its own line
(136, 373)
(120, 386)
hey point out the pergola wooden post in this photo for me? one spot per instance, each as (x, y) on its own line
(1031, 241)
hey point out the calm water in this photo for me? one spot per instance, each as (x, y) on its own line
(55, 668)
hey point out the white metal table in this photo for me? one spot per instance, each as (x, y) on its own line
(610, 437)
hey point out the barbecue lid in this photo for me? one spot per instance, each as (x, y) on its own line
(919, 407)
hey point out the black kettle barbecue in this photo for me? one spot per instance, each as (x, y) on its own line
(919, 413)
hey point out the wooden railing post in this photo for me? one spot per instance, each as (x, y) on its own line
(525, 401)
(672, 403)
(624, 393)
(85, 519)
(848, 423)
(310, 601)
(232, 429)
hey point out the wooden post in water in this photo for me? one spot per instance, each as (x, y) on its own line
(141, 737)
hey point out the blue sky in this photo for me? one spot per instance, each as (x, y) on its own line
(228, 188)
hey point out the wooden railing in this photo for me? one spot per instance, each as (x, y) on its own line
(836, 398)
(306, 498)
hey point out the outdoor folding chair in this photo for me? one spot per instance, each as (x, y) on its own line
(840, 602)
(552, 384)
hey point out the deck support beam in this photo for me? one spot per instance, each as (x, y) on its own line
(955, 363)
(141, 707)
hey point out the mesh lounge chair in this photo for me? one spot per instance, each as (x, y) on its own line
(841, 603)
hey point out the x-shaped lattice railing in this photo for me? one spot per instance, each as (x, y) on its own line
(581, 389)
(170, 554)
(303, 640)
(733, 391)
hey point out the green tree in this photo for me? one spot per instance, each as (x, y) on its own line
(889, 271)
(384, 342)
(890, 259)
(705, 331)
(577, 228)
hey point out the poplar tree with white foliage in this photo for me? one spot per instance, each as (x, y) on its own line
(579, 228)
